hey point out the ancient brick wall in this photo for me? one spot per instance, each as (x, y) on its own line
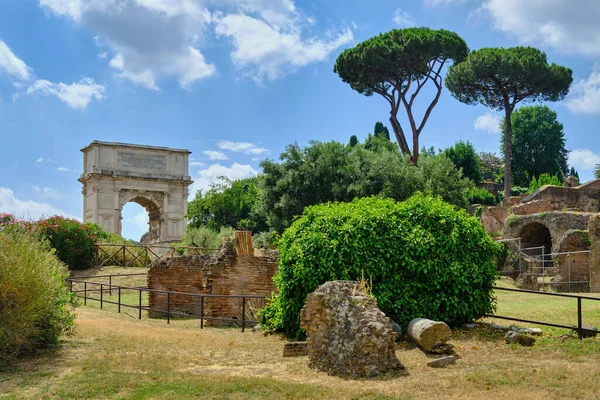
(224, 273)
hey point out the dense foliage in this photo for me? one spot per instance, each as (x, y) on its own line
(463, 155)
(332, 171)
(538, 144)
(228, 203)
(543, 180)
(501, 78)
(491, 167)
(205, 237)
(73, 241)
(425, 259)
(397, 65)
(481, 196)
(35, 308)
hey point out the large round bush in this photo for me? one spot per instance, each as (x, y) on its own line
(35, 307)
(425, 259)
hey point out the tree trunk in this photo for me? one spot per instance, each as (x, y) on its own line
(428, 334)
(415, 156)
(399, 133)
(507, 151)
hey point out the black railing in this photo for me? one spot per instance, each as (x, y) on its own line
(579, 328)
(98, 287)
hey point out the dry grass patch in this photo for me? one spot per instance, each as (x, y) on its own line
(117, 356)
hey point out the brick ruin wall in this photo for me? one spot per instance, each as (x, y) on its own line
(225, 273)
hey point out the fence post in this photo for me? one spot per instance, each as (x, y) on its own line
(124, 257)
(579, 329)
(201, 312)
(543, 269)
(569, 270)
(101, 294)
(85, 293)
(243, 314)
(168, 307)
(520, 256)
(140, 305)
(70, 286)
(110, 285)
(119, 299)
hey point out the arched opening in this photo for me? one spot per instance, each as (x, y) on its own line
(535, 234)
(134, 222)
(141, 221)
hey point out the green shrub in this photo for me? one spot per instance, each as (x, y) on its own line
(481, 196)
(265, 240)
(35, 308)
(425, 259)
(202, 237)
(73, 241)
(543, 180)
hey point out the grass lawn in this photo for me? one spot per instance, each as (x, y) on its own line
(116, 356)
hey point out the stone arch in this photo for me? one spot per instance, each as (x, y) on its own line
(154, 177)
(152, 203)
(536, 234)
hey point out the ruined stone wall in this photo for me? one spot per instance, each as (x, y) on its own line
(224, 273)
(493, 217)
(594, 237)
(558, 223)
(575, 266)
(583, 198)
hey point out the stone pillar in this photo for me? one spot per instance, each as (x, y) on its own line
(594, 260)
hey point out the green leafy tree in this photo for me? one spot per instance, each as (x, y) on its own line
(501, 78)
(353, 141)
(543, 180)
(424, 258)
(228, 204)
(491, 167)
(574, 173)
(463, 156)
(381, 131)
(331, 171)
(538, 144)
(397, 65)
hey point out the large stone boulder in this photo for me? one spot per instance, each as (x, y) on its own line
(348, 336)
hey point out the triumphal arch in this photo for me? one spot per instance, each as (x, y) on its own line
(154, 177)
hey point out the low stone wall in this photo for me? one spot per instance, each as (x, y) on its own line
(225, 273)
(583, 198)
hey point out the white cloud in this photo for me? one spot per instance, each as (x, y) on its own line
(488, 122)
(241, 147)
(583, 159)
(64, 169)
(266, 51)
(12, 64)
(40, 160)
(197, 164)
(402, 18)
(562, 25)
(205, 177)
(584, 97)
(140, 220)
(76, 95)
(27, 209)
(215, 155)
(47, 192)
(148, 39)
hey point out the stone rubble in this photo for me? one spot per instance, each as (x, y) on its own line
(348, 336)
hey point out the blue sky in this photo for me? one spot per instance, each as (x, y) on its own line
(235, 81)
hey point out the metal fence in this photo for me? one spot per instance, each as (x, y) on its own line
(566, 271)
(126, 255)
(579, 327)
(96, 291)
